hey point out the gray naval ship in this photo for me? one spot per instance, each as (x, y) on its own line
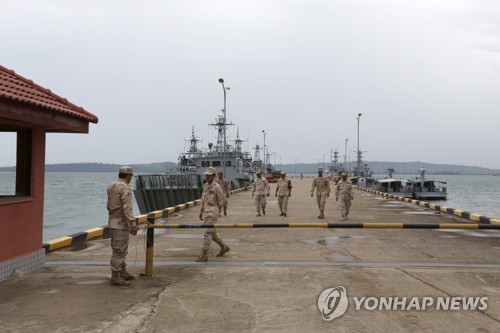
(236, 164)
(185, 183)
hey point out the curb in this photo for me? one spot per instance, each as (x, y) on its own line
(438, 208)
(103, 232)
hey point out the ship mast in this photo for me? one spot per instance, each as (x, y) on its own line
(193, 148)
(238, 142)
(221, 80)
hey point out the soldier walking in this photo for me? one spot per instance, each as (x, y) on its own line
(211, 204)
(322, 185)
(225, 191)
(283, 192)
(344, 194)
(261, 186)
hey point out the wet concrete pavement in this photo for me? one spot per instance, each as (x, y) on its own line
(271, 278)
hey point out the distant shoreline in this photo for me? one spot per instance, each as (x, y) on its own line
(378, 168)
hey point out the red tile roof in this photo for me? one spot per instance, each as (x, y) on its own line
(17, 88)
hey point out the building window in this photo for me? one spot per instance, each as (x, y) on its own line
(16, 152)
(216, 163)
(205, 164)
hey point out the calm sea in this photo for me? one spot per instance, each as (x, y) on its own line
(76, 201)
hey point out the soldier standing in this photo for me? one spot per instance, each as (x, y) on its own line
(283, 192)
(344, 192)
(211, 204)
(261, 186)
(322, 185)
(225, 191)
(121, 223)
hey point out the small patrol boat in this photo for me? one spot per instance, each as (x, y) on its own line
(428, 189)
(397, 187)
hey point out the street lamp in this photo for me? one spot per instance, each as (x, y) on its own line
(345, 157)
(359, 153)
(265, 161)
(295, 162)
(221, 80)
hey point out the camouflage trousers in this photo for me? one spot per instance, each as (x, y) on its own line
(344, 206)
(119, 245)
(224, 200)
(260, 202)
(283, 203)
(210, 234)
(321, 199)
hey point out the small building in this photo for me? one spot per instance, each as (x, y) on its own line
(27, 112)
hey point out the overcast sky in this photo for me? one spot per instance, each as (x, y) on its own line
(424, 74)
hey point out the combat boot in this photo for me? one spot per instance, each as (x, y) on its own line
(126, 275)
(223, 249)
(225, 212)
(116, 280)
(321, 216)
(263, 211)
(203, 256)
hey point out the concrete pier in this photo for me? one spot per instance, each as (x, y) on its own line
(272, 278)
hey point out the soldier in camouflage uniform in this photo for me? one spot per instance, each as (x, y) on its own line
(283, 192)
(211, 204)
(225, 190)
(121, 223)
(261, 186)
(344, 192)
(322, 185)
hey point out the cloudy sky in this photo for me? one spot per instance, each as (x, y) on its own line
(424, 74)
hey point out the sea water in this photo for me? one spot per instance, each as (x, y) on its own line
(76, 201)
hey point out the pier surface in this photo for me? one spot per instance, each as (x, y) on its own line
(271, 278)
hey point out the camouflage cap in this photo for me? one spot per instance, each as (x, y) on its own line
(257, 172)
(126, 169)
(210, 172)
(344, 173)
(320, 169)
(283, 173)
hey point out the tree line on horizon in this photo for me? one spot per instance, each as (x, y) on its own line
(378, 168)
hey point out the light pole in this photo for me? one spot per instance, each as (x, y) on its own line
(265, 161)
(345, 156)
(358, 166)
(295, 163)
(221, 80)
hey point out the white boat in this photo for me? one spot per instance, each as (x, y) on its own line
(397, 187)
(428, 189)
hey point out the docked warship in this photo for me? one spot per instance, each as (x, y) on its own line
(184, 183)
(236, 164)
(336, 168)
